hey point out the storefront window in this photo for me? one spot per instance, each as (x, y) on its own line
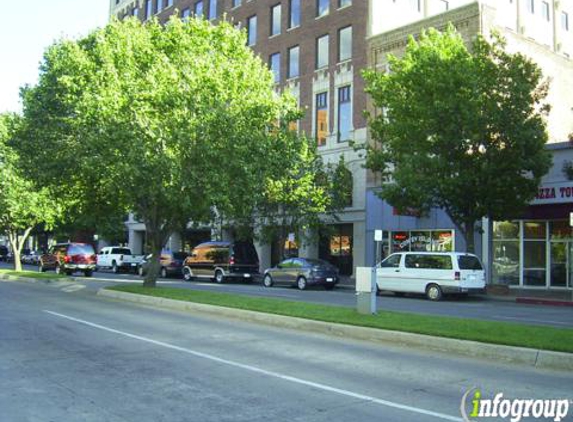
(534, 230)
(423, 241)
(506, 230)
(561, 230)
(505, 267)
(534, 263)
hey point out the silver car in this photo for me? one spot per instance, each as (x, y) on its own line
(302, 272)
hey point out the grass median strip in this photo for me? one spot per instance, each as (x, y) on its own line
(33, 274)
(509, 334)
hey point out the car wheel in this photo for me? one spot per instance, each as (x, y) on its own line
(163, 272)
(301, 283)
(59, 269)
(434, 292)
(219, 278)
(41, 268)
(114, 267)
(267, 280)
(140, 271)
(88, 273)
(187, 274)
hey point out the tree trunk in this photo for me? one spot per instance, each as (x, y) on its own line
(16, 243)
(157, 238)
(469, 234)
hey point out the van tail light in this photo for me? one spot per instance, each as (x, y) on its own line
(457, 276)
(232, 260)
(67, 259)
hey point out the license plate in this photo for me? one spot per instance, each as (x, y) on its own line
(247, 275)
(330, 279)
(133, 264)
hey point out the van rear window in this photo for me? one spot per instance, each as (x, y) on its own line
(432, 262)
(468, 262)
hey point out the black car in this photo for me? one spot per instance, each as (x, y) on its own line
(302, 272)
(171, 264)
(221, 261)
(3, 253)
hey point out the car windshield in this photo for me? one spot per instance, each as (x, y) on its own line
(318, 262)
(80, 249)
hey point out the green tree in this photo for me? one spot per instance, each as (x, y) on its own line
(462, 130)
(170, 121)
(23, 205)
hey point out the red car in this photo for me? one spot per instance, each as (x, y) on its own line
(67, 258)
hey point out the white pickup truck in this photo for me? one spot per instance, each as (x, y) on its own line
(118, 258)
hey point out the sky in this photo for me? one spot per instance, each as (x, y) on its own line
(28, 28)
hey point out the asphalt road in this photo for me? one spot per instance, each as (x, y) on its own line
(472, 307)
(67, 355)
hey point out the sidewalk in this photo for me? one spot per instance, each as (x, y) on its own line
(504, 293)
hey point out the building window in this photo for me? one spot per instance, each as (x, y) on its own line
(199, 9)
(135, 11)
(322, 7)
(185, 13)
(564, 21)
(444, 5)
(169, 3)
(531, 6)
(276, 20)
(344, 113)
(416, 5)
(293, 61)
(252, 30)
(294, 20)
(212, 9)
(236, 3)
(275, 64)
(545, 10)
(345, 44)
(148, 9)
(321, 118)
(344, 3)
(422, 241)
(322, 52)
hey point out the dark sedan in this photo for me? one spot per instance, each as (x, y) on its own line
(302, 272)
(171, 264)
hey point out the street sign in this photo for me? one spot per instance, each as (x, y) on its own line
(378, 235)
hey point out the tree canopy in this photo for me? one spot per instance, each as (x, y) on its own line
(174, 122)
(23, 205)
(459, 129)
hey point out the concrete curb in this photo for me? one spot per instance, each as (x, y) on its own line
(520, 355)
(541, 301)
(51, 281)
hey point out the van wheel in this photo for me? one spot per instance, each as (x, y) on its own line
(163, 272)
(59, 269)
(140, 271)
(114, 267)
(219, 276)
(41, 268)
(267, 281)
(301, 283)
(187, 274)
(434, 292)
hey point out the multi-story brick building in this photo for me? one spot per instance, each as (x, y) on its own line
(317, 50)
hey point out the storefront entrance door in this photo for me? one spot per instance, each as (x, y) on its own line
(561, 264)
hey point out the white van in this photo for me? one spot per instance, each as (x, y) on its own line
(431, 273)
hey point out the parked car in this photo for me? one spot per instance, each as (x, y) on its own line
(118, 258)
(302, 272)
(3, 253)
(67, 258)
(431, 273)
(32, 258)
(171, 264)
(221, 261)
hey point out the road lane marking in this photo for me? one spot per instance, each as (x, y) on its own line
(73, 288)
(255, 369)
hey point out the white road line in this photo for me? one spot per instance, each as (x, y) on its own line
(73, 288)
(295, 380)
(125, 280)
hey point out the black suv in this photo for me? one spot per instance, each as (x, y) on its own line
(3, 253)
(67, 258)
(222, 260)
